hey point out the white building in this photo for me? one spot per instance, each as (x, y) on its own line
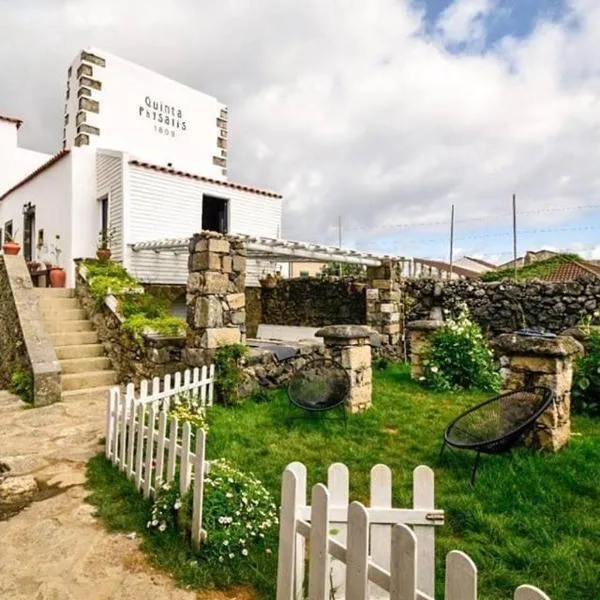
(127, 175)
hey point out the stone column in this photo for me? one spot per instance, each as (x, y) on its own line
(420, 333)
(538, 361)
(215, 296)
(384, 301)
(349, 346)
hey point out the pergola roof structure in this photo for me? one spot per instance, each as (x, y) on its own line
(275, 249)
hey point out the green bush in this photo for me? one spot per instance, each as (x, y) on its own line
(459, 358)
(238, 514)
(586, 377)
(21, 384)
(138, 324)
(144, 304)
(228, 372)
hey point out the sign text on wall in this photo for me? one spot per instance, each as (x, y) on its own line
(168, 119)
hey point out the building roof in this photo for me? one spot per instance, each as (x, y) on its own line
(444, 266)
(229, 184)
(572, 270)
(35, 173)
(481, 262)
(17, 122)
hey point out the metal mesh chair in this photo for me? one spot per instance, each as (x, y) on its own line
(320, 385)
(496, 425)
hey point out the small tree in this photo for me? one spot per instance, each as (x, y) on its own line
(343, 270)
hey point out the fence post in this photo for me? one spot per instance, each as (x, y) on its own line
(127, 406)
(171, 461)
(198, 488)
(529, 592)
(338, 485)
(131, 441)
(357, 554)
(287, 535)
(318, 575)
(149, 450)
(461, 577)
(160, 449)
(139, 449)
(115, 428)
(113, 394)
(423, 498)
(381, 497)
(403, 567)
(185, 466)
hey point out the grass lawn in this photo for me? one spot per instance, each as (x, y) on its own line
(531, 518)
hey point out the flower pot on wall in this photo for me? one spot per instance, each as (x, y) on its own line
(103, 253)
(11, 248)
(57, 277)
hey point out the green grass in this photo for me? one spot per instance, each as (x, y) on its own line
(534, 270)
(531, 517)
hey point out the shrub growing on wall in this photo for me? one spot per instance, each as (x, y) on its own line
(586, 377)
(459, 358)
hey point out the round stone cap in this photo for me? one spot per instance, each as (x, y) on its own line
(562, 345)
(344, 332)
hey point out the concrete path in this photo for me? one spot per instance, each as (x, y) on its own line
(55, 549)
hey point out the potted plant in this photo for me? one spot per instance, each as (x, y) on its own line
(105, 237)
(33, 265)
(10, 246)
(57, 274)
(270, 280)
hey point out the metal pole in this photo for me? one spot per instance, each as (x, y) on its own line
(451, 240)
(340, 240)
(514, 207)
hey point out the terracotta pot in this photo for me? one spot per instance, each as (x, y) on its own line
(103, 253)
(269, 282)
(11, 248)
(57, 277)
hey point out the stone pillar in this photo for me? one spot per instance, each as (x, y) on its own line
(533, 361)
(215, 298)
(384, 301)
(349, 346)
(420, 333)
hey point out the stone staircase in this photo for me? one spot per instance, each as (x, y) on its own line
(85, 369)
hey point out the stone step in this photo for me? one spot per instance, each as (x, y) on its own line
(61, 314)
(85, 393)
(68, 326)
(56, 292)
(89, 379)
(74, 339)
(79, 351)
(84, 365)
(50, 304)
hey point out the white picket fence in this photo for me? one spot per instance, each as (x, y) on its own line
(149, 447)
(372, 535)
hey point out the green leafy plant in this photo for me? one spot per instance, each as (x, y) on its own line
(139, 324)
(586, 377)
(381, 363)
(343, 270)
(21, 384)
(105, 237)
(239, 514)
(459, 358)
(534, 270)
(144, 304)
(186, 408)
(229, 374)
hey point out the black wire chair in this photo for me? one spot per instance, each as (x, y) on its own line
(496, 425)
(319, 386)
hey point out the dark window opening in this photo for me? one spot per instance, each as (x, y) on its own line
(8, 231)
(104, 213)
(214, 214)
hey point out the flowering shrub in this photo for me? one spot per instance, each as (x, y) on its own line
(459, 358)
(186, 408)
(586, 377)
(239, 514)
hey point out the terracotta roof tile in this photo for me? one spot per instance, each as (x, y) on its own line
(572, 270)
(17, 122)
(230, 184)
(35, 173)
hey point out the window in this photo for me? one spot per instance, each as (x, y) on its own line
(304, 274)
(103, 201)
(8, 231)
(28, 232)
(214, 214)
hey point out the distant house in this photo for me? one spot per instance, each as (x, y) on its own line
(439, 269)
(529, 258)
(475, 264)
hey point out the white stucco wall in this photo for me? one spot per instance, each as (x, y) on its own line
(51, 194)
(162, 205)
(130, 116)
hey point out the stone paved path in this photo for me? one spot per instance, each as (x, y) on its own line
(55, 549)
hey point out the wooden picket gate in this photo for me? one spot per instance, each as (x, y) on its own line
(373, 535)
(149, 447)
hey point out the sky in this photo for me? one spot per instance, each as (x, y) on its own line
(385, 113)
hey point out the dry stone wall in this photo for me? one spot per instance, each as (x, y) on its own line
(502, 307)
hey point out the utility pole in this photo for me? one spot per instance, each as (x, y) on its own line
(514, 208)
(451, 240)
(340, 240)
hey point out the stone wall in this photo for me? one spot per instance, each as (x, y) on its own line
(24, 344)
(308, 302)
(132, 359)
(502, 307)
(253, 311)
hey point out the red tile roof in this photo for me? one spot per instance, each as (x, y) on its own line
(230, 184)
(572, 270)
(17, 122)
(35, 173)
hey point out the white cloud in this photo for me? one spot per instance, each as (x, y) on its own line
(463, 20)
(347, 109)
